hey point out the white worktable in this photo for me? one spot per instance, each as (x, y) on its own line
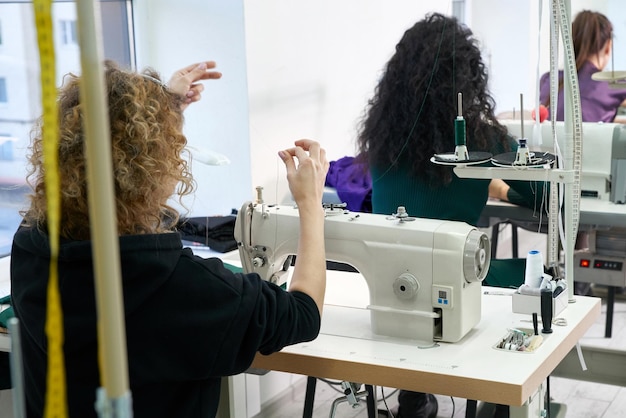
(470, 369)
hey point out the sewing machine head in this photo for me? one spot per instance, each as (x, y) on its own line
(424, 275)
(603, 157)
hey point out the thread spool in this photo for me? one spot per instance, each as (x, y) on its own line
(533, 274)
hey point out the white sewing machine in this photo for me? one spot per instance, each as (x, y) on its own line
(603, 158)
(424, 275)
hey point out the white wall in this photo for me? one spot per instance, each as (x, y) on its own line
(617, 13)
(508, 50)
(170, 35)
(312, 66)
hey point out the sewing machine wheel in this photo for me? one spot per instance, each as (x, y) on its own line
(406, 286)
(476, 256)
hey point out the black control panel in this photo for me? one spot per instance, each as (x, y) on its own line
(601, 264)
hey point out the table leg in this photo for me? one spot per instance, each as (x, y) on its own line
(533, 408)
(495, 232)
(309, 397)
(502, 411)
(610, 304)
(514, 242)
(470, 408)
(372, 410)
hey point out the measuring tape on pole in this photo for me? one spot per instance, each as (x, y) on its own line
(56, 402)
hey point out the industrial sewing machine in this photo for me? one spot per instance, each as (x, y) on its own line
(603, 173)
(424, 275)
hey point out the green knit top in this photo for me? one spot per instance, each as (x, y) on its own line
(461, 200)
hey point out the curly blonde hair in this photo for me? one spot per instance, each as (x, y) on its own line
(147, 148)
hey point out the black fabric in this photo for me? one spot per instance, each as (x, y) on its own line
(5, 371)
(216, 232)
(189, 321)
(417, 405)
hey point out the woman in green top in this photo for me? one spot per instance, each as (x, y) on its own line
(411, 118)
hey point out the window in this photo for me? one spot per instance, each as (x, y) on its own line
(458, 10)
(6, 147)
(68, 32)
(3, 90)
(18, 56)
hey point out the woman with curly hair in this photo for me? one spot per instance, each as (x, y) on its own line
(147, 147)
(189, 320)
(411, 118)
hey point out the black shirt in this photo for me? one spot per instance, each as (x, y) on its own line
(189, 321)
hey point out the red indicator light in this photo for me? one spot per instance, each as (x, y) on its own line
(585, 263)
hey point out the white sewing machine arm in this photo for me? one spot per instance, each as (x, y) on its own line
(424, 277)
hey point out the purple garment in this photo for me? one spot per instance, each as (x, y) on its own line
(352, 182)
(599, 101)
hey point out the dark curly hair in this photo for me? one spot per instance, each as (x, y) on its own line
(411, 116)
(147, 146)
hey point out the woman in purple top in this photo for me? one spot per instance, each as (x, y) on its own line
(592, 34)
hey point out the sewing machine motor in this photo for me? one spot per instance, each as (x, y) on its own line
(424, 275)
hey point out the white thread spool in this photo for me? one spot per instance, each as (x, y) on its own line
(534, 269)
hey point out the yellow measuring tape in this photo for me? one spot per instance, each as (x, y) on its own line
(56, 403)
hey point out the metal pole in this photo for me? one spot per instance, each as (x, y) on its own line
(114, 397)
(17, 369)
